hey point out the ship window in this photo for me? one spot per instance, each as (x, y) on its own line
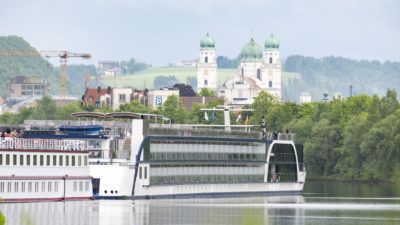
(28, 160)
(29, 186)
(75, 185)
(23, 187)
(49, 186)
(67, 160)
(56, 186)
(85, 160)
(1, 159)
(48, 160)
(14, 160)
(79, 160)
(140, 172)
(34, 160)
(80, 185)
(36, 186)
(7, 159)
(73, 160)
(8, 186)
(15, 186)
(145, 172)
(41, 160)
(43, 186)
(54, 160)
(60, 160)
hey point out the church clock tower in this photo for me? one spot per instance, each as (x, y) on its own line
(207, 65)
(271, 67)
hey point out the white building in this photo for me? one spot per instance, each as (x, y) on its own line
(120, 96)
(258, 70)
(157, 98)
(207, 65)
(305, 97)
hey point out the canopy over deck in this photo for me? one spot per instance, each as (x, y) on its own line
(122, 115)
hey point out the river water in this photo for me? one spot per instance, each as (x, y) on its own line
(320, 203)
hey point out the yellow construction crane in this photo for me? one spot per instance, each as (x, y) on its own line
(62, 55)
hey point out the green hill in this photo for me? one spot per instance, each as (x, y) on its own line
(336, 74)
(145, 78)
(11, 66)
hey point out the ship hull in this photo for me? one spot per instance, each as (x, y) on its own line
(218, 190)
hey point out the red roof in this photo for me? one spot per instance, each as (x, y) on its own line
(92, 94)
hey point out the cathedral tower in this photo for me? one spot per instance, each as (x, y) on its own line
(207, 65)
(271, 66)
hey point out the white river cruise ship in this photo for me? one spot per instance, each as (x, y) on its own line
(187, 160)
(34, 169)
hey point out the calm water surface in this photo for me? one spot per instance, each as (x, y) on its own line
(321, 203)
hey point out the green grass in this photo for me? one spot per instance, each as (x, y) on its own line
(145, 78)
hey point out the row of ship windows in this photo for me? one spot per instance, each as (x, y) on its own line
(34, 186)
(205, 179)
(42, 160)
(205, 156)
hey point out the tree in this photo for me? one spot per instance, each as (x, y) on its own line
(64, 112)
(225, 62)
(321, 150)
(132, 66)
(173, 108)
(262, 105)
(206, 93)
(45, 110)
(184, 89)
(163, 81)
(192, 81)
(134, 106)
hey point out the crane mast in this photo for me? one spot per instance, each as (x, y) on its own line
(62, 55)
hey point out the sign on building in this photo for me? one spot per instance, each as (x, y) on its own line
(159, 101)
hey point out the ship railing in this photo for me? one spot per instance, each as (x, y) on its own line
(42, 144)
(287, 136)
(195, 131)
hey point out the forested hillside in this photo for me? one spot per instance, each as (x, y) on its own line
(11, 66)
(336, 74)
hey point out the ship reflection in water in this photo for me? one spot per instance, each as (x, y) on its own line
(254, 210)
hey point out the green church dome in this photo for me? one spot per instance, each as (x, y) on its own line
(207, 42)
(251, 52)
(271, 43)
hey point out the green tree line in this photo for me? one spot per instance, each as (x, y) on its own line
(357, 138)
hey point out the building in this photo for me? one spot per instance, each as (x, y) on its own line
(98, 96)
(120, 96)
(187, 63)
(258, 70)
(112, 72)
(24, 86)
(111, 97)
(107, 64)
(207, 65)
(189, 100)
(157, 98)
(305, 97)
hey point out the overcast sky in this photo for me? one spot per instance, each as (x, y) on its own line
(162, 31)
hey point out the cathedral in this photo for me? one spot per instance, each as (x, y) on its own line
(258, 70)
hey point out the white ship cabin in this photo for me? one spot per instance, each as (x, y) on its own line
(43, 170)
